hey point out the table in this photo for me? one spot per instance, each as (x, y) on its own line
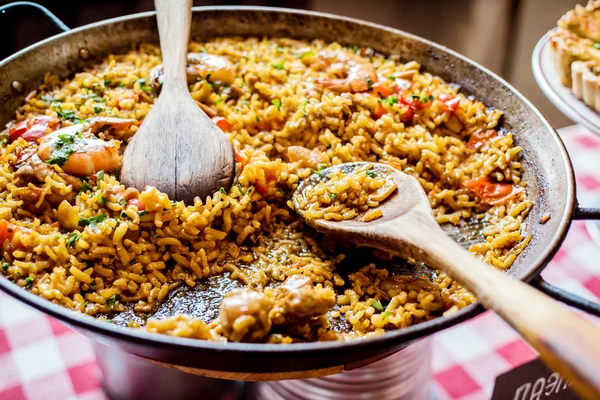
(42, 359)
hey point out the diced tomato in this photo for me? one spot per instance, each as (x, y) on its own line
(402, 85)
(222, 123)
(381, 90)
(408, 115)
(449, 102)
(491, 192)
(32, 129)
(6, 231)
(480, 138)
(379, 111)
(416, 102)
(136, 202)
(239, 156)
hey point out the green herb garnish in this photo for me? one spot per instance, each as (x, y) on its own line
(72, 239)
(377, 305)
(92, 222)
(596, 46)
(332, 196)
(277, 103)
(391, 77)
(50, 99)
(68, 115)
(98, 109)
(390, 100)
(99, 177)
(385, 315)
(303, 107)
(222, 190)
(94, 97)
(257, 118)
(123, 84)
(85, 187)
(371, 174)
(5, 266)
(279, 65)
(142, 213)
(106, 82)
(110, 303)
(122, 201)
(61, 156)
(144, 87)
(28, 282)
(101, 199)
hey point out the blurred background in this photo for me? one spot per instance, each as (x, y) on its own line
(500, 34)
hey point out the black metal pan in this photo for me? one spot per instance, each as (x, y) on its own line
(548, 172)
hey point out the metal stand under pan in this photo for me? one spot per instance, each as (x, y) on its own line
(405, 375)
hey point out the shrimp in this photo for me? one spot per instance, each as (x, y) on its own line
(79, 152)
(200, 65)
(359, 73)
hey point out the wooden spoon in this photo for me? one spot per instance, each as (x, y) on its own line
(566, 342)
(178, 149)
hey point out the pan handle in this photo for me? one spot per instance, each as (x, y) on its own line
(47, 13)
(586, 213)
(569, 298)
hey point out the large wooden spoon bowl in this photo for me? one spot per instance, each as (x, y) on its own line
(178, 149)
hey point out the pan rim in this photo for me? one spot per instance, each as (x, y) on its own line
(80, 320)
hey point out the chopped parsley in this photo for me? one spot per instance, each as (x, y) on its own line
(257, 118)
(277, 103)
(94, 97)
(371, 174)
(285, 193)
(28, 282)
(303, 107)
(415, 96)
(596, 46)
(61, 156)
(99, 177)
(101, 199)
(106, 82)
(154, 237)
(72, 239)
(391, 77)
(377, 305)
(332, 196)
(369, 83)
(279, 65)
(425, 99)
(110, 303)
(85, 187)
(142, 213)
(92, 222)
(221, 99)
(122, 201)
(222, 190)
(50, 99)
(69, 115)
(144, 86)
(390, 100)
(123, 215)
(5, 266)
(385, 315)
(321, 167)
(98, 109)
(123, 84)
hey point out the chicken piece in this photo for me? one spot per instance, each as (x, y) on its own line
(245, 315)
(299, 300)
(34, 170)
(305, 158)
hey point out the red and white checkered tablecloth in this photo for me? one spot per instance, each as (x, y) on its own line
(42, 359)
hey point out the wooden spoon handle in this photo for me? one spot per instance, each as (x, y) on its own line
(567, 343)
(174, 22)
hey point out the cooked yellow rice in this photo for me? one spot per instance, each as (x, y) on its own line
(249, 233)
(342, 196)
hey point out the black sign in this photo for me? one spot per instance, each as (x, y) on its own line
(532, 381)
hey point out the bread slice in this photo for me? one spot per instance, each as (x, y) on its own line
(586, 82)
